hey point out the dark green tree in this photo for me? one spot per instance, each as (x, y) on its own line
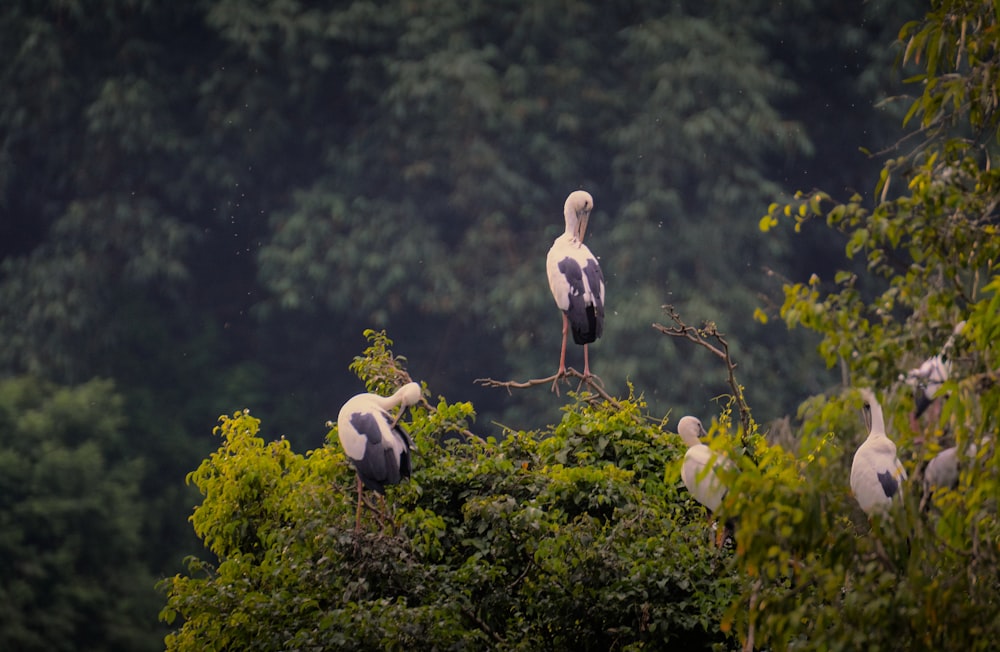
(71, 520)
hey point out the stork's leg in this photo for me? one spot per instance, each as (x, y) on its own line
(586, 361)
(357, 516)
(381, 517)
(562, 356)
(562, 353)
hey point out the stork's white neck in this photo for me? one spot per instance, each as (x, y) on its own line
(407, 395)
(878, 422)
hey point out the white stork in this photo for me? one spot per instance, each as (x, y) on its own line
(378, 447)
(700, 463)
(698, 472)
(876, 474)
(576, 280)
(927, 379)
(941, 471)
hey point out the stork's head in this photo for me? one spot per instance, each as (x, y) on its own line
(871, 411)
(577, 212)
(409, 394)
(691, 430)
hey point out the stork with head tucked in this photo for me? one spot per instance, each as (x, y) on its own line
(699, 471)
(700, 463)
(576, 280)
(876, 474)
(377, 445)
(927, 379)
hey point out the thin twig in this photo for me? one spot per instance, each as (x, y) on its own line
(592, 382)
(471, 615)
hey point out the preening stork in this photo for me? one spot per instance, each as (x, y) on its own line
(375, 442)
(700, 464)
(876, 474)
(576, 280)
(698, 472)
(927, 379)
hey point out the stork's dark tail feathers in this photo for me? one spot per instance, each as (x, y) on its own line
(586, 325)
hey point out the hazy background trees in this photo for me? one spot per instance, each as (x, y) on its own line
(208, 202)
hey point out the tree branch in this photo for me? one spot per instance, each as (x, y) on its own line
(592, 382)
(704, 337)
(471, 615)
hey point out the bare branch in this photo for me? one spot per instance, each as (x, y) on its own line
(709, 338)
(594, 383)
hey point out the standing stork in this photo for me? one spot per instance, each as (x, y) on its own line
(876, 474)
(576, 280)
(699, 470)
(375, 442)
(927, 379)
(700, 464)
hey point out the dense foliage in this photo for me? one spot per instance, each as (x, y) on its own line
(575, 537)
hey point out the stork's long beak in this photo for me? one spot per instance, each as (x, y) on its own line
(581, 226)
(399, 415)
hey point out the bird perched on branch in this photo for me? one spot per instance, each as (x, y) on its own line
(927, 379)
(876, 474)
(375, 443)
(576, 280)
(699, 471)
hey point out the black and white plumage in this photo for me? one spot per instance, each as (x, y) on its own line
(941, 472)
(876, 474)
(927, 379)
(698, 471)
(944, 468)
(576, 280)
(377, 446)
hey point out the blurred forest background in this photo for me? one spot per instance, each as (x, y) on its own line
(203, 204)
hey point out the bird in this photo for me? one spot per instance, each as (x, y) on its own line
(698, 472)
(876, 473)
(941, 471)
(576, 280)
(375, 443)
(927, 379)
